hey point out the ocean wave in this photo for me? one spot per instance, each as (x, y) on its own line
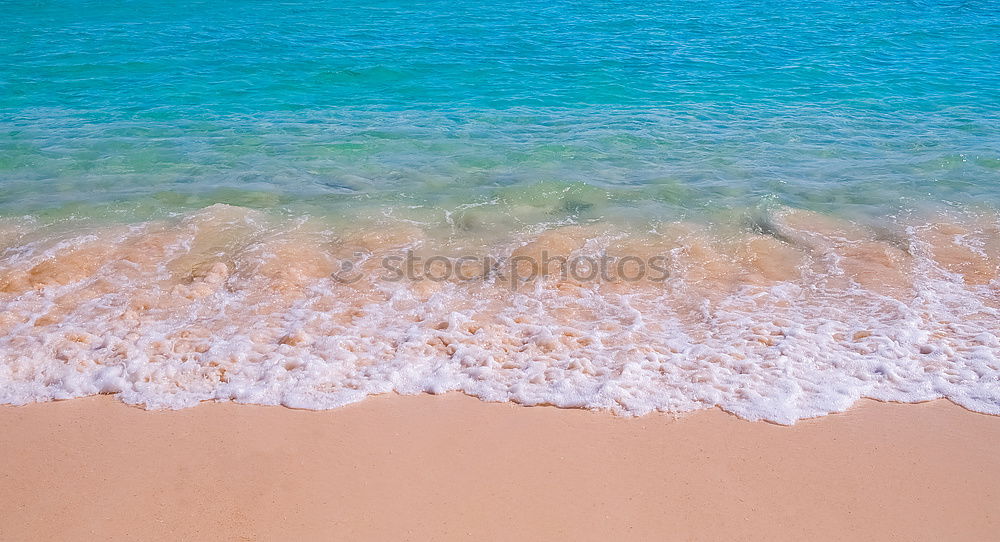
(782, 316)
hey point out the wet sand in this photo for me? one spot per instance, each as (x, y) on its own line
(453, 467)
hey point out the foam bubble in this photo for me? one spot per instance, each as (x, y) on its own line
(797, 316)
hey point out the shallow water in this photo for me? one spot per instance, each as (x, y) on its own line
(797, 315)
(203, 201)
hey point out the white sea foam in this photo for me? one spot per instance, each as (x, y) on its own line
(228, 304)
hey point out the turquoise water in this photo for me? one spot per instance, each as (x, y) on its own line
(575, 109)
(817, 181)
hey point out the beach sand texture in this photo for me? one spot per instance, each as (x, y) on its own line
(453, 467)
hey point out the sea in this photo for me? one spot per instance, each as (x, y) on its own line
(772, 208)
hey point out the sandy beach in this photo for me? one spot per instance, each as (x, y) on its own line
(528, 270)
(453, 467)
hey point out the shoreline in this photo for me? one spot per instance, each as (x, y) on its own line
(791, 321)
(454, 467)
